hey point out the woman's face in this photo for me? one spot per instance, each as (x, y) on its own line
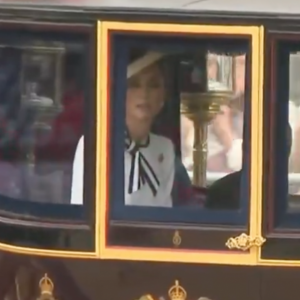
(145, 94)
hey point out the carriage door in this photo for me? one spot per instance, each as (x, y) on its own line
(281, 200)
(203, 84)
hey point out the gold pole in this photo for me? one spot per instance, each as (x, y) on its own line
(201, 108)
(199, 154)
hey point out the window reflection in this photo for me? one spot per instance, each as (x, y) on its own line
(41, 114)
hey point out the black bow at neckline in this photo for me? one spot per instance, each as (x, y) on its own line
(141, 171)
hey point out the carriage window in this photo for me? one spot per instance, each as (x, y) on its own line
(285, 154)
(185, 127)
(41, 112)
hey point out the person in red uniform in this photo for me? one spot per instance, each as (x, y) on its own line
(59, 146)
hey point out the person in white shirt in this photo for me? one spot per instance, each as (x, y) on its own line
(77, 174)
(149, 159)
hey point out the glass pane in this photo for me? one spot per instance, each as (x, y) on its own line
(294, 113)
(284, 155)
(41, 114)
(184, 105)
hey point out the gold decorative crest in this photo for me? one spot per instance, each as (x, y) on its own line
(244, 242)
(177, 292)
(46, 288)
(146, 297)
(176, 239)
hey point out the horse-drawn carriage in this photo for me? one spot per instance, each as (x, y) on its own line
(149, 150)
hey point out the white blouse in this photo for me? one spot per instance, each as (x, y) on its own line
(156, 163)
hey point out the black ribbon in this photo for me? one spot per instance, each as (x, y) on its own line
(141, 171)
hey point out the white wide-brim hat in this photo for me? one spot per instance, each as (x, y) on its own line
(143, 62)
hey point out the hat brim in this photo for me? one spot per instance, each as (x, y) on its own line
(142, 63)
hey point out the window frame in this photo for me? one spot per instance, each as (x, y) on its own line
(166, 251)
(119, 212)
